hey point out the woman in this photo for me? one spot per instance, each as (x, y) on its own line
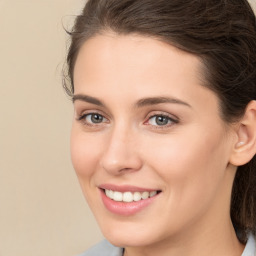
(164, 132)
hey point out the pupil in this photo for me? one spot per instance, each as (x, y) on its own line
(161, 120)
(97, 118)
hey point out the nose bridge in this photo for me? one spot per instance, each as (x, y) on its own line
(120, 153)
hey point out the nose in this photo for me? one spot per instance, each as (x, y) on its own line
(121, 154)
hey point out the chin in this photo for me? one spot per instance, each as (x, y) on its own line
(127, 240)
(132, 236)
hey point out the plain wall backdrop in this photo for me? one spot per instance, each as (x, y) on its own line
(42, 210)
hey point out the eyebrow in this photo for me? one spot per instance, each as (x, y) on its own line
(141, 103)
(88, 99)
(159, 100)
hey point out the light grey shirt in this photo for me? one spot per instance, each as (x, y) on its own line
(104, 248)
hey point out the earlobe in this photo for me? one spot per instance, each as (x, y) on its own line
(245, 145)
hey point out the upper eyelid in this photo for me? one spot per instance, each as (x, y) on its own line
(91, 111)
(172, 120)
(162, 113)
(169, 117)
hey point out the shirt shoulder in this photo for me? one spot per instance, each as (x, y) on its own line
(250, 247)
(104, 248)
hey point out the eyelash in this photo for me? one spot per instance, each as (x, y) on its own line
(170, 119)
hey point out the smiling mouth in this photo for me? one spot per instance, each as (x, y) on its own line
(128, 197)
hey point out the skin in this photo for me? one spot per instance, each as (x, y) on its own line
(188, 158)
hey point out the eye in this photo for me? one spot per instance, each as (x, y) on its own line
(161, 120)
(92, 119)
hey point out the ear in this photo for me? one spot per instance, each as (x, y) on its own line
(244, 147)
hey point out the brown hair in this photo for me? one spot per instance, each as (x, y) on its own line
(221, 32)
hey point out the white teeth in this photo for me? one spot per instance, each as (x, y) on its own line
(152, 193)
(145, 195)
(129, 196)
(137, 196)
(118, 196)
(111, 194)
(108, 193)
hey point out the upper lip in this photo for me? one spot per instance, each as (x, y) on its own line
(126, 188)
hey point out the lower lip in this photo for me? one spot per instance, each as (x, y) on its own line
(123, 208)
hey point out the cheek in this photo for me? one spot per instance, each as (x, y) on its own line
(85, 158)
(192, 165)
(84, 154)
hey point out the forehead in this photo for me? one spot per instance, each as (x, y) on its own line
(125, 53)
(123, 67)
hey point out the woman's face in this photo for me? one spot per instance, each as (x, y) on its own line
(145, 126)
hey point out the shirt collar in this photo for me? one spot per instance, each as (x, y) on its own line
(250, 247)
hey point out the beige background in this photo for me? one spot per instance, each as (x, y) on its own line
(42, 211)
